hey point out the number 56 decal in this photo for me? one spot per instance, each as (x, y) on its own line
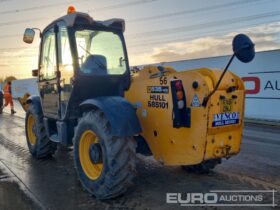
(163, 80)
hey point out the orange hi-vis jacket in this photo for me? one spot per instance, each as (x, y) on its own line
(7, 90)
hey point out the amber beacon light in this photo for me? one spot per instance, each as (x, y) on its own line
(71, 9)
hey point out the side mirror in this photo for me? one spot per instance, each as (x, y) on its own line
(35, 73)
(29, 35)
(243, 48)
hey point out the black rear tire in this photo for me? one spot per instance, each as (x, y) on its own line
(118, 157)
(203, 167)
(41, 147)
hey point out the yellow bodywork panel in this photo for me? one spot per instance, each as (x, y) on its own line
(150, 91)
(209, 135)
(23, 100)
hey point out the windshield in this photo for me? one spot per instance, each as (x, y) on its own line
(100, 52)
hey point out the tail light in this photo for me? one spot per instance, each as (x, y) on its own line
(181, 113)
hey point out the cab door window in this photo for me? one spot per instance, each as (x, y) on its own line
(65, 66)
(65, 56)
(48, 66)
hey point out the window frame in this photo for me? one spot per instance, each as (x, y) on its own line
(122, 40)
(60, 50)
(41, 77)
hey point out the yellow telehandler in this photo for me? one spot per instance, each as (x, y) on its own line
(89, 98)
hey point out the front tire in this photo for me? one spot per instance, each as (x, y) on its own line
(38, 143)
(105, 164)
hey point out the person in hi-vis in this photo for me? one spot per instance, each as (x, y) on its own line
(8, 97)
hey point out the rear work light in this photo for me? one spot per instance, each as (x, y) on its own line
(181, 113)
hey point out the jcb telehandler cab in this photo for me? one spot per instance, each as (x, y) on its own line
(83, 73)
(191, 118)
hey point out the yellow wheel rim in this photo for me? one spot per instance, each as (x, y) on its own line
(92, 170)
(30, 129)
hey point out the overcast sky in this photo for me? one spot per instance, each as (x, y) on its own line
(156, 30)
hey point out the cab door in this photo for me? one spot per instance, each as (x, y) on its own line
(66, 68)
(48, 84)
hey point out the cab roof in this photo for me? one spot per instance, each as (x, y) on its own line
(73, 18)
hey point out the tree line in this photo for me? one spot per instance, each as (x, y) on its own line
(8, 78)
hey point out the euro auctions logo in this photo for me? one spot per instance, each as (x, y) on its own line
(192, 198)
(224, 198)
